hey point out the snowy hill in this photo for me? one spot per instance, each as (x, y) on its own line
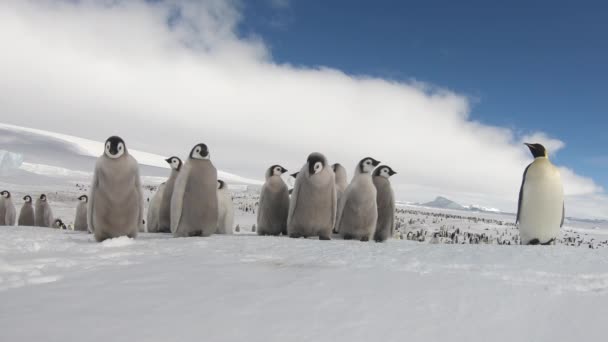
(443, 203)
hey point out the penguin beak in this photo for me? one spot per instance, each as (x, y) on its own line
(284, 170)
(375, 163)
(392, 173)
(168, 160)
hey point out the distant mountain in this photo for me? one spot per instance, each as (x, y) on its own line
(443, 203)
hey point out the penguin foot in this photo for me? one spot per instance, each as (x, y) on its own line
(535, 242)
(195, 233)
(295, 235)
(347, 237)
(365, 239)
(325, 238)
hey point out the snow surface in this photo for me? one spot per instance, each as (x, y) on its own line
(62, 286)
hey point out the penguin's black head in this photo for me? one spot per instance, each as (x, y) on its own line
(537, 150)
(83, 198)
(221, 184)
(115, 147)
(384, 171)
(5, 194)
(27, 199)
(295, 174)
(277, 170)
(43, 197)
(175, 162)
(316, 163)
(200, 151)
(336, 166)
(367, 165)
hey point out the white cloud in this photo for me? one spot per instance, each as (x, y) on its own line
(166, 75)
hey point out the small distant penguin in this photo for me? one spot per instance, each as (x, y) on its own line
(541, 210)
(8, 214)
(153, 217)
(26, 215)
(194, 207)
(58, 224)
(312, 208)
(80, 221)
(274, 203)
(358, 212)
(164, 220)
(116, 201)
(43, 213)
(385, 200)
(341, 183)
(225, 219)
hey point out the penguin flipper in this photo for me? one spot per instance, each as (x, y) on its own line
(177, 198)
(91, 202)
(563, 214)
(140, 196)
(521, 194)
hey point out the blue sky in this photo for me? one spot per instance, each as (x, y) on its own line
(528, 67)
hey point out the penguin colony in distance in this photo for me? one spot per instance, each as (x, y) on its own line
(116, 204)
(80, 221)
(274, 203)
(194, 207)
(26, 215)
(43, 213)
(164, 220)
(8, 215)
(358, 210)
(541, 209)
(385, 201)
(312, 208)
(225, 219)
(193, 202)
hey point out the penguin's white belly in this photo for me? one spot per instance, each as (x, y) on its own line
(541, 209)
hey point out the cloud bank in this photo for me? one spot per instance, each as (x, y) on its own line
(168, 74)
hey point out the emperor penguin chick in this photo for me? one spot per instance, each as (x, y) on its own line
(164, 220)
(385, 200)
(194, 207)
(225, 220)
(358, 210)
(274, 203)
(26, 215)
(341, 183)
(116, 203)
(8, 214)
(312, 208)
(153, 217)
(43, 213)
(541, 211)
(80, 221)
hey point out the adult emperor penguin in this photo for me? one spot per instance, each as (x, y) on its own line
(540, 213)
(358, 210)
(153, 217)
(341, 183)
(312, 209)
(225, 219)
(116, 203)
(8, 215)
(80, 221)
(274, 203)
(26, 215)
(164, 220)
(43, 213)
(385, 200)
(194, 207)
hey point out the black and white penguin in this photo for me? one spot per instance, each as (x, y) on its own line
(274, 203)
(385, 200)
(26, 215)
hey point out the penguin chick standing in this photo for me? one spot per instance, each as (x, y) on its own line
(358, 209)
(385, 200)
(312, 209)
(8, 214)
(80, 221)
(274, 203)
(194, 207)
(541, 211)
(153, 217)
(116, 204)
(225, 220)
(341, 183)
(43, 213)
(164, 219)
(26, 215)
